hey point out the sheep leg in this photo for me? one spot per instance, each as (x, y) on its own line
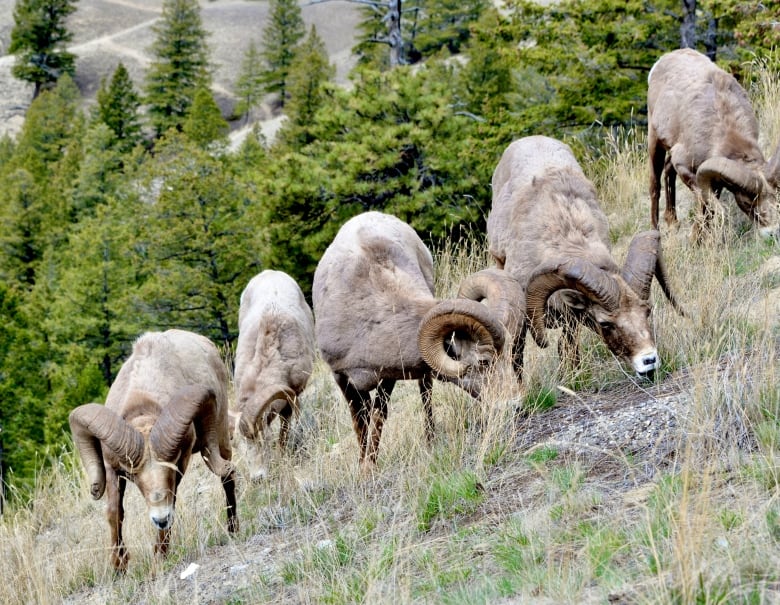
(229, 485)
(426, 388)
(358, 408)
(285, 414)
(517, 355)
(115, 511)
(657, 156)
(670, 183)
(378, 415)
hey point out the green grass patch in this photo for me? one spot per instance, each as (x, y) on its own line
(457, 493)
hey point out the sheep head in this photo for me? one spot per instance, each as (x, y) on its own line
(458, 339)
(615, 306)
(150, 445)
(754, 188)
(259, 409)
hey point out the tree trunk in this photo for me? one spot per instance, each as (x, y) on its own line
(711, 38)
(688, 25)
(394, 38)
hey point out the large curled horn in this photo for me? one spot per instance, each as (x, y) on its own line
(732, 174)
(457, 315)
(576, 274)
(643, 261)
(191, 407)
(271, 399)
(500, 292)
(93, 424)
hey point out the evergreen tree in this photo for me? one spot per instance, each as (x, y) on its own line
(117, 107)
(281, 35)
(199, 250)
(445, 24)
(249, 86)
(180, 66)
(99, 173)
(38, 40)
(205, 124)
(310, 71)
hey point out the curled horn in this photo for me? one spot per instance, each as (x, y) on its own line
(643, 261)
(462, 315)
(272, 399)
(730, 173)
(93, 424)
(190, 407)
(577, 274)
(501, 293)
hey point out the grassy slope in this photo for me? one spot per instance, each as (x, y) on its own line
(504, 508)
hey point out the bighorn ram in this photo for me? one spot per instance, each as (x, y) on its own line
(377, 321)
(547, 231)
(703, 118)
(274, 354)
(168, 401)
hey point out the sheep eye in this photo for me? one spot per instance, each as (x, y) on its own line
(606, 326)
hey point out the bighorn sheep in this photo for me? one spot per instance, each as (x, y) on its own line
(547, 231)
(274, 353)
(377, 321)
(169, 400)
(703, 118)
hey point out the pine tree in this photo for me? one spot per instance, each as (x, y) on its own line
(205, 124)
(199, 248)
(181, 64)
(280, 37)
(309, 72)
(117, 107)
(249, 86)
(38, 40)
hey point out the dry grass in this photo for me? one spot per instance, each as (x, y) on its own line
(557, 506)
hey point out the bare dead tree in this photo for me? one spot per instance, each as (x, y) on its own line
(688, 24)
(390, 11)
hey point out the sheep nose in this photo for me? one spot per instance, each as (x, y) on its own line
(647, 366)
(163, 522)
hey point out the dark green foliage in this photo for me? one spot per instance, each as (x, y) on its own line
(197, 250)
(204, 124)
(39, 39)
(309, 74)
(180, 66)
(117, 107)
(249, 86)
(445, 24)
(285, 29)
(593, 59)
(22, 391)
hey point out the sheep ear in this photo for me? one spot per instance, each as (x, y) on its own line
(573, 299)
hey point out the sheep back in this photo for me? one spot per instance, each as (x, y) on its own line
(544, 207)
(163, 362)
(275, 334)
(694, 103)
(371, 288)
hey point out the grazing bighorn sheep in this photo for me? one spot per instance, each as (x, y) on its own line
(274, 353)
(377, 321)
(547, 231)
(169, 401)
(701, 117)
